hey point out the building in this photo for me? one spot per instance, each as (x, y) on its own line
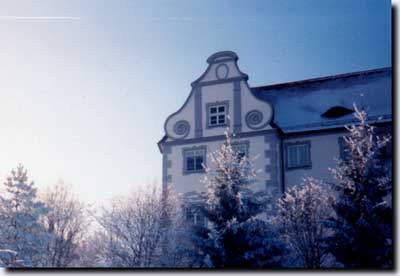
(295, 128)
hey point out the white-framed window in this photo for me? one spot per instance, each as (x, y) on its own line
(193, 159)
(217, 114)
(298, 155)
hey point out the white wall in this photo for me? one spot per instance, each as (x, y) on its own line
(191, 182)
(217, 93)
(324, 150)
(219, 90)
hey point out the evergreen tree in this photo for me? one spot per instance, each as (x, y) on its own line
(235, 235)
(362, 223)
(19, 217)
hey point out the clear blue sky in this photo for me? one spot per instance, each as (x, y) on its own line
(85, 86)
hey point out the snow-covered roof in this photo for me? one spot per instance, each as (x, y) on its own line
(298, 105)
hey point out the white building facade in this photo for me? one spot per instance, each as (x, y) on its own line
(294, 129)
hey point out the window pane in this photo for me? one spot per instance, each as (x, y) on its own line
(221, 109)
(292, 160)
(199, 161)
(213, 120)
(221, 119)
(190, 163)
(213, 110)
(302, 154)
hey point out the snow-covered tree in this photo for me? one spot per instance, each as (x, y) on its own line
(9, 258)
(20, 216)
(174, 233)
(235, 235)
(362, 223)
(93, 250)
(302, 212)
(135, 232)
(67, 222)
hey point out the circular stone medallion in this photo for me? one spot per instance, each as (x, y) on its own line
(182, 128)
(222, 71)
(254, 118)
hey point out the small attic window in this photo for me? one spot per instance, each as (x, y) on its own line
(336, 111)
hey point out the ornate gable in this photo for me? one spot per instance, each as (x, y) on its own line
(219, 98)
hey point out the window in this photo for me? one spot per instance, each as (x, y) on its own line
(217, 114)
(242, 148)
(195, 216)
(193, 159)
(193, 206)
(298, 155)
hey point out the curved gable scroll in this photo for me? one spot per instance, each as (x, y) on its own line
(180, 124)
(221, 82)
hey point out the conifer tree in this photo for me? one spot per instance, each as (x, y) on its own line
(20, 213)
(362, 223)
(235, 236)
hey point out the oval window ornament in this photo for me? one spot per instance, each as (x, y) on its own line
(222, 71)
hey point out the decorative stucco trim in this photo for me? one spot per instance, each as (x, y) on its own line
(272, 184)
(219, 137)
(182, 128)
(185, 150)
(252, 125)
(218, 71)
(218, 57)
(237, 108)
(223, 60)
(270, 106)
(303, 142)
(198, 115)
(222, 55)
(176, 113)
(168, 149)
(209, 105)
(166, 164)
(214, 82)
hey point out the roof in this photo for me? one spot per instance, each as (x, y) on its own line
(298, 105)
